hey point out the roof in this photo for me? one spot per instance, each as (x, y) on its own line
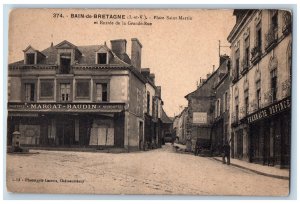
(165, 118)
(87, 56)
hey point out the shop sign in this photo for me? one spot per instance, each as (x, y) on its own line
(200, 117)
(73, 107)
(270, 110)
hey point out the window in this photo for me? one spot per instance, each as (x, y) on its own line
(274, 20)
(237, 63)
(82, 89)
(258, 94)
(218, 107)
(102, 58)
(65, 63)
(225, 101)
(46, 88)
(247, 51)
(236, 109)
(30, 58)
(246, 94)
(148, 102)
(274, 84)
(101, 92)
(29, 92)
(65, 90)
(258, 41)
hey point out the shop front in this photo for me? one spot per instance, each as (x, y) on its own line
(67, 125)
(270, 134)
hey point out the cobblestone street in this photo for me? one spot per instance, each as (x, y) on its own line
(160, 171)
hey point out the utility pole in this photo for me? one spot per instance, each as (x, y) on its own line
(220, 48)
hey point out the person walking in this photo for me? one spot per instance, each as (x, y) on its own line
(226, 153)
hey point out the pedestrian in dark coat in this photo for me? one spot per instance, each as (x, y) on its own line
(226, 153)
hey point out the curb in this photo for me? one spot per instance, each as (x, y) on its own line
(257, 172)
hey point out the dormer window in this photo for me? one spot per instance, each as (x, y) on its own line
(65, 63)
(102, 58)
(30, 58)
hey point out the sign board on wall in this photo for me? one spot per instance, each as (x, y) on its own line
(200, 117)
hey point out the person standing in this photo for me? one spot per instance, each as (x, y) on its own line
(226, 153)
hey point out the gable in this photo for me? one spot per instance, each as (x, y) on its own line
(65, 45)
(29, 49)
(102, 49)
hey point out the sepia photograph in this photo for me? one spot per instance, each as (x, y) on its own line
(193, 102)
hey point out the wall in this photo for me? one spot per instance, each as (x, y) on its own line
(135, 112)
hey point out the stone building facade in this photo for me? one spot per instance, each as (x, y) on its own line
(220, 123)
(201, 113)
(78, 96)
(261, 53)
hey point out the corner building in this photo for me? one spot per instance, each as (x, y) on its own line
(260, 111)
(77, 96)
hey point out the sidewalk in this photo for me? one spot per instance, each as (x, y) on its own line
(258, 168)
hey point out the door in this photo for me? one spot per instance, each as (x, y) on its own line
(141, 138)
(105, 136)
(65, 131)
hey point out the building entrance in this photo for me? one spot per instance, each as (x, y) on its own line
(65, 131)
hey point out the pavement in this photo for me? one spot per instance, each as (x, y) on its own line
(260, 169)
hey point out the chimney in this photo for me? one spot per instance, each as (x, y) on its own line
(118, 46)
(145, 72)
(136, 52)
(152, 77)
(158, 88)
(223, 58)
(213, 68)
(208, 75)
(51, 44)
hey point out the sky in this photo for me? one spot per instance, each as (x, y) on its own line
(178, 52)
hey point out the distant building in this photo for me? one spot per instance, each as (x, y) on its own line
(167, 125)
(261, 53)
(201, 112)
(181, 126)
(220, 123)
(78, 96)
(152, 111)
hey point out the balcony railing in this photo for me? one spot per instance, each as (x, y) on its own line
(286, 88)
(255, 54)
(245, 66)
(287, 23)
(271, 38)
(234, 119)
(269, 97)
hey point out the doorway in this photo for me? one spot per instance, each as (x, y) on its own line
(65, 131)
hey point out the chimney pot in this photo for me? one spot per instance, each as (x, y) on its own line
(136, 52)
(118, 46)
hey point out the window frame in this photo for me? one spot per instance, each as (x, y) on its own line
(40, 89)
(89, 89)
(101, 81)
(58, 89)
(258, 36)
(34, 57)
(98, 57)
(29, 81)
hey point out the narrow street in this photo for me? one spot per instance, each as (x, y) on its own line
(160, 171)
